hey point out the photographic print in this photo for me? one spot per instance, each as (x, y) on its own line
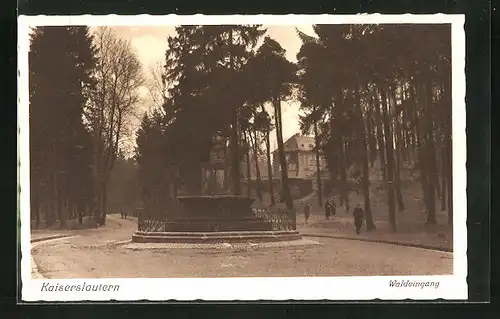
(242, 157)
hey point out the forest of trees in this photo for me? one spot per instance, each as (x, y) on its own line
(83, 91)
(369, 93)
(218, 82)
(381, 92)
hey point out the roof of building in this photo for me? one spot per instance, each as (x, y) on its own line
(299, 143)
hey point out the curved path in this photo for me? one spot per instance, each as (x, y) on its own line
(100, 254)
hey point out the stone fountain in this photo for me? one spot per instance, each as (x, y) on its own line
(216, 218)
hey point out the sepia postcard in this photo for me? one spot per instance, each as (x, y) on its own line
(242, 157)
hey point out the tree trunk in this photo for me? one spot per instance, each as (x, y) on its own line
(69, 211)
(431, 161)
(370, 225)
(343, 176)
(397, 136)
(444, 177)
(176, 187)
(257, 168)
(270, 168)
(422, 163)
(285, 188)
(399, 194)
(338, 171)
(235, 158)
(35, 207)
(80, 213)
(66, 210)
(226, 168)
(57, 199)
(249, 169)
(449, 179)
(437, 183)
(390, 161)
(98, 202)
(380, 142)
(60, 214)
(269, 164)
(104, 202)
(419, 145)
(403, 141)
(437, 177)
(405, 124)
(413, 136)
(347, 164)
(318, 168)
(447, 128)
(50, 206)
(372, 140)
(431, 155)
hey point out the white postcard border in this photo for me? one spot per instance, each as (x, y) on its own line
(295, 288)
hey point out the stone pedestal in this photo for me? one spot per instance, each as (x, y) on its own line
(216, 237)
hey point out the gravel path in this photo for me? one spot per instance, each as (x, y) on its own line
(98, 255)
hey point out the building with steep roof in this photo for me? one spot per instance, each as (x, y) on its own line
(300, 157)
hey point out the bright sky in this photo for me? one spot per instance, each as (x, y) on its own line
(150, 44)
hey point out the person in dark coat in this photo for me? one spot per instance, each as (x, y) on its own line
(307, 212)
(333, 207)
(330, 208)
(327, 209)
(359, 215)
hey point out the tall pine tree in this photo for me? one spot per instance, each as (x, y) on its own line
(61, 61)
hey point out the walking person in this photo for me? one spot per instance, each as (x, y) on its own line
(307, 212)
(327, 209)
(333, 207)
(359, 215)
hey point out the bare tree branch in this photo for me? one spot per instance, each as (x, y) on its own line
(113, 103)
(156, 85)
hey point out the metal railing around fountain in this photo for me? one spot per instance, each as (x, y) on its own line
(151, 224)
(280, 219)
(154, 218)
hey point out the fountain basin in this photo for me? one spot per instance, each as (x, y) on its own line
(216, 237)
(216, 206)
(215, 213)
(213, 219)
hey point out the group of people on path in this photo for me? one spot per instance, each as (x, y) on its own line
(331, 210)
(123, 214)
